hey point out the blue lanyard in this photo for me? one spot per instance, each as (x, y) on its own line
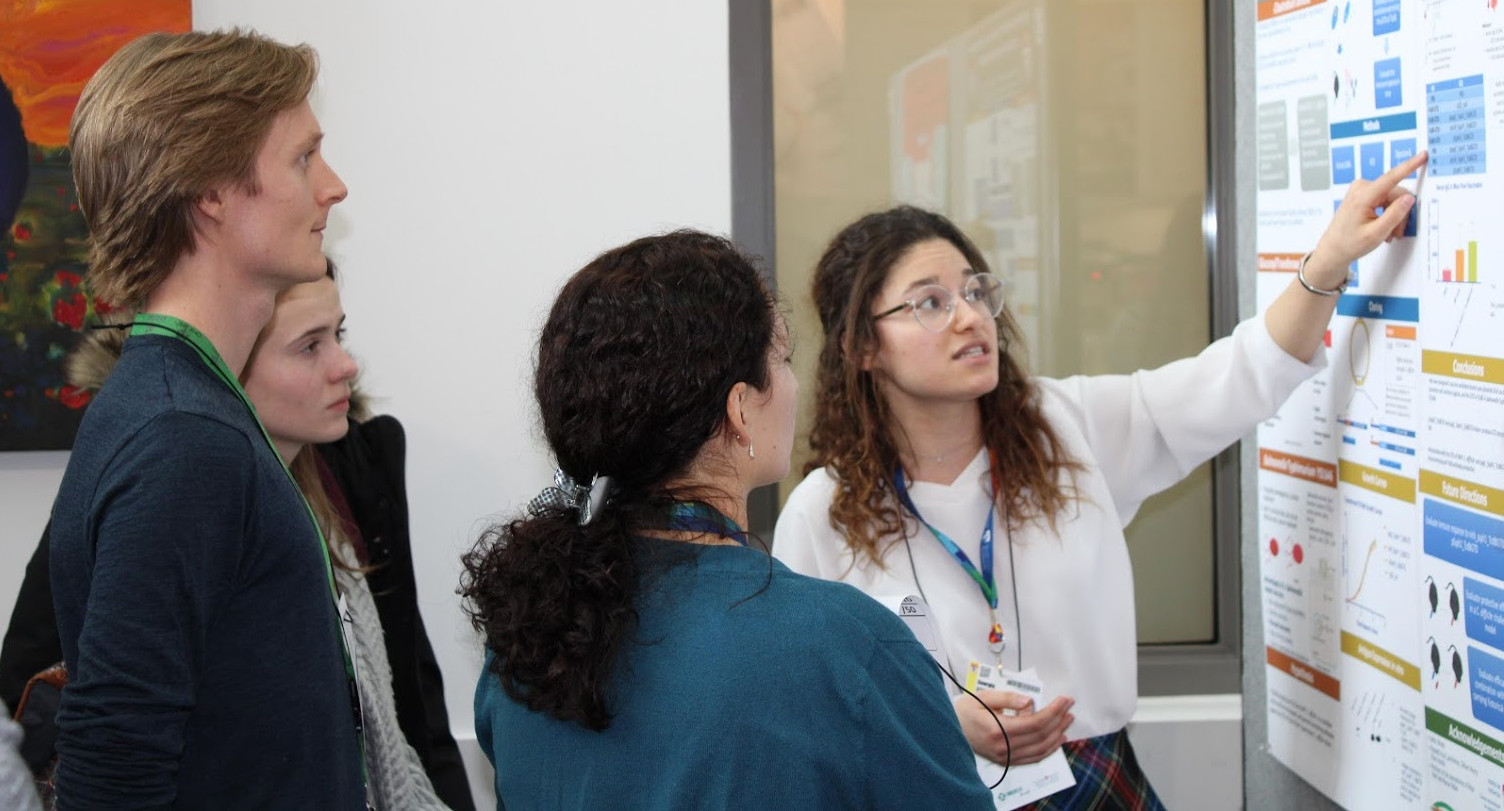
(983, 578)
(697, 516)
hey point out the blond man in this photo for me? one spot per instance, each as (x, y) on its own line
(193, 596)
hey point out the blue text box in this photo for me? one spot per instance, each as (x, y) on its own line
(1344, 165)
(1401, 150)
(1483, 608)
(1378, 125)
(1386, 17)
(1371, 160)
(1471, 540)
(1386, 83)
(1388, 308)
(1486, 685)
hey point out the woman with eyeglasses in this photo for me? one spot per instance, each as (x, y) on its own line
(940, 467)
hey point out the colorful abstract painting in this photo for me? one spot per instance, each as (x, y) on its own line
(48, 51)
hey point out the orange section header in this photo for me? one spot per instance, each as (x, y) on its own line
(1301, 671)
(1299, 467)
(1396, 331)
(1279, 262)
(1269, 9)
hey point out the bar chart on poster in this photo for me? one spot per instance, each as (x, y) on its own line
(1381, 481)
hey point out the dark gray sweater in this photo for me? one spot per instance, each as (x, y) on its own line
(193, 606)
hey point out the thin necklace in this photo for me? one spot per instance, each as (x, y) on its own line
(972, 447)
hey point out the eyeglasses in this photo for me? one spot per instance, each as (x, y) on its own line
(934, 307)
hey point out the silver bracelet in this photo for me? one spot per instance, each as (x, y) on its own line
(1300, 274)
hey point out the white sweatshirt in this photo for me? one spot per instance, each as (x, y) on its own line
(1135, 435)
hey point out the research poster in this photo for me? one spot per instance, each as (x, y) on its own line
(1381, 481)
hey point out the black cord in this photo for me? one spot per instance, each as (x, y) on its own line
(912, 570)
(1018, 619)
(196, 348)
(1007, 764)
(1006, 740)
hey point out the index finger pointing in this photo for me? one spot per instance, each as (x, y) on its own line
(1391, 178)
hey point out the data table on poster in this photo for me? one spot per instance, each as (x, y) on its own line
(1456, 127)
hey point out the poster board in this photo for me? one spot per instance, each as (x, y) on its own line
(1380, 486)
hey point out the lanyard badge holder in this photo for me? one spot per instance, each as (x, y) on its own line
(169, 327)
(997, 640)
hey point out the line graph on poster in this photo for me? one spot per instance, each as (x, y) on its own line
(1375, 566)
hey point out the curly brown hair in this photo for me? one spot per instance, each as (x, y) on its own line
(634, 365)
(854, 436)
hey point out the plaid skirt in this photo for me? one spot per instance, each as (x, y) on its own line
(1108, 778)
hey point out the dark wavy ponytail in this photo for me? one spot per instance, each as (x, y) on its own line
(635, 363)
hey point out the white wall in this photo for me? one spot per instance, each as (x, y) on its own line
(1191, 748)
(490, 149)
(28, 482)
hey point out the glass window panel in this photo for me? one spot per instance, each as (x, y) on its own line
(1068, 139)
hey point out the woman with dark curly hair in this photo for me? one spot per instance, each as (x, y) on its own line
(639, 654)
(932, 445)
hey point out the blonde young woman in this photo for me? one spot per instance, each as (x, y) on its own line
(299, 376)
(941, 467)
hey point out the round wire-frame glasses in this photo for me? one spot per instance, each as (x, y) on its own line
(934, 307)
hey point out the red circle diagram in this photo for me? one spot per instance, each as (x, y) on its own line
(1274, 546)
(1298, 553)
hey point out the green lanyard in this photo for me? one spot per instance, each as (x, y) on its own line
(170, 327)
